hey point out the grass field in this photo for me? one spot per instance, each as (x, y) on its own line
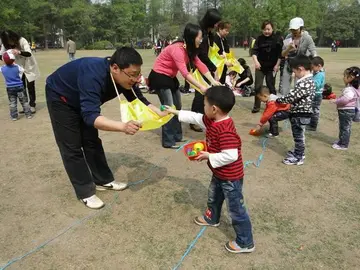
(304, 217)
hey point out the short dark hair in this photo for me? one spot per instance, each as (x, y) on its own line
(265, 23)
(300, 61)
(232, 73)
(317, 60)
(242, 61)
(126, 56)
(224, 25)
(221, 97)
(264, 90)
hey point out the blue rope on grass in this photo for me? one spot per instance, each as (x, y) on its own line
(190, 247)
(82, 220)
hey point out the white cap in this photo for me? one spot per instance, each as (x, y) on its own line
(296, 23)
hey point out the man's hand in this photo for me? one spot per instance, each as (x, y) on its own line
(257, 65)
(258, 127)
(228, 64)
(203, 156)
(132, 127)
(276, 68)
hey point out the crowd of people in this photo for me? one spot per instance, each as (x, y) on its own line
(76, 91)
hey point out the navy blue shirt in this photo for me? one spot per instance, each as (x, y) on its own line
(85, 84)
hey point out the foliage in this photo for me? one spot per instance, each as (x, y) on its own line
(125, 21)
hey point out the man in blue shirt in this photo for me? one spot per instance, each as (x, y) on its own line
(74, 95)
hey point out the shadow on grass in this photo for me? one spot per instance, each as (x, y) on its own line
(320, 136)
(141, 170)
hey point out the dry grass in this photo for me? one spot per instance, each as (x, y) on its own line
(304, 217)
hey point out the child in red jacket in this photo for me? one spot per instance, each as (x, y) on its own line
(274, 112)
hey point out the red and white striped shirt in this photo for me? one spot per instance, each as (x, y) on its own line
(223, 143)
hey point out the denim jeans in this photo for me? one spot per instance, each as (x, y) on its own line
(231, 191)
(259, 80)
(171, 131)
(15, 93)
(273, 121)
(71, 56)
(298, 125)
(316, 109)
(345, 120)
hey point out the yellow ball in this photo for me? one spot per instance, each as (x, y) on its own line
(199, 147)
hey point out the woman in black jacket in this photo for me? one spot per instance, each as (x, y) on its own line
(267, 56)
(207, 24)
(221, 41)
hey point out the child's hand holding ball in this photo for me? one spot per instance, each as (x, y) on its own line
(202, 156)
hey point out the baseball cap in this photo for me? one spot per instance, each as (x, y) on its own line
(8, 57)
(296, 23)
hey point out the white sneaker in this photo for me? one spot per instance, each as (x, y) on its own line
(112, 186)
(339, 147)
(93, 202)
(293, 161)
(32, 109)
(270, 135)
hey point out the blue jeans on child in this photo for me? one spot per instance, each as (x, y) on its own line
(298, 125)
(316, 111)
(171, 131)
(15, 93)
(231, 191)
(345, 120)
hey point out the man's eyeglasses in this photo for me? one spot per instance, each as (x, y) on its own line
(131, 77)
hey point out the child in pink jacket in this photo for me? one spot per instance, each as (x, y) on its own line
(347, 106)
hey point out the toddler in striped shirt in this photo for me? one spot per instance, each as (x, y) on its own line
(225, 161)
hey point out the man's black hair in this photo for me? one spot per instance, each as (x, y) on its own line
(221, 97)
(126, 56)
(300, 61)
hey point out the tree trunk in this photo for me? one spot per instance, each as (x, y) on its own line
(45, 35)
(321, 38)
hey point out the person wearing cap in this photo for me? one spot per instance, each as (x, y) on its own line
(298, 42)
(24, 58)
(14, 85)
(74, 94)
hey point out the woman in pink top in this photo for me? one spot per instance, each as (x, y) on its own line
(179, 56)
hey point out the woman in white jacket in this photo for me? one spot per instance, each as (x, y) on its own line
(22, 50)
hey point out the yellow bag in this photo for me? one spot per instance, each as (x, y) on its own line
(200, 79)
(138, 111)
(236, 65)
(216, 59)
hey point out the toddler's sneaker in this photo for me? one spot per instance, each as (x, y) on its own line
(93, 202)
(14, 118)
(233, 247)
(293, 161)
(202, 222)
(112, 186)
(29, 117)
(33, 109)
(339, 147)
